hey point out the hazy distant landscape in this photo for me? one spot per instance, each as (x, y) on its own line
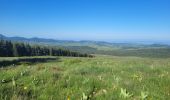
(99, 47)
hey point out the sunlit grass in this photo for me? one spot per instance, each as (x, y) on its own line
(99, 78)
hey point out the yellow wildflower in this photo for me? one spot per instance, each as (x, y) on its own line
(68, 98)
(25, 88)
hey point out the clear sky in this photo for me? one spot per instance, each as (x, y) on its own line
(107, 20)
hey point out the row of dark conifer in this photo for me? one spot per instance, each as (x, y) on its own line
(18, 49)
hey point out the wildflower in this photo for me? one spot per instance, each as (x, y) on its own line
(100, 77)
(3, 80)
(13, 82)
(161, 75)
(35, 81)
(25, 88)
(22, 73)
(114, 87)
(117, 79)
(104, 91)
(124, 93)
(144, 95)
(84, 97)
(68, 97)
(137, 77)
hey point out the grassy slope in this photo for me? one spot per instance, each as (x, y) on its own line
(100, 78)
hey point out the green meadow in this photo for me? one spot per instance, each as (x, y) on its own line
(78, 78)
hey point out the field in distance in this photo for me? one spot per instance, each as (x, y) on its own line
(99, 78)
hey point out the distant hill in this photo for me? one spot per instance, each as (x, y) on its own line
(35, 39)
(101, 47)
(76, 43)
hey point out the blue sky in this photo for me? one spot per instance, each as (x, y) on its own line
(106, 20)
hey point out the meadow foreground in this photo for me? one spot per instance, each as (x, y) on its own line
(99, 78)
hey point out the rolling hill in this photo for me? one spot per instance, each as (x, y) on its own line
(100, 47)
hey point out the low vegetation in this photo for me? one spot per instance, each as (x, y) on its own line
(99, 78)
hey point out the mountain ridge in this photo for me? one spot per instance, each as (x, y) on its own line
(45, 40)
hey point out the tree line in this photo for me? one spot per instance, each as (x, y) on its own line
(18, 49)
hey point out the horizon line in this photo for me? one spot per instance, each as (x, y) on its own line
(131, 41)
